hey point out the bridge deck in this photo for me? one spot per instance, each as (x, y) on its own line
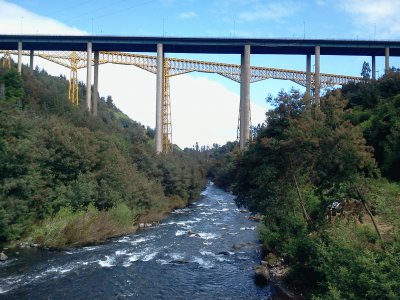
(201, 45)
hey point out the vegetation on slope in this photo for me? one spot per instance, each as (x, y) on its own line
(315, 176)
(64, 172)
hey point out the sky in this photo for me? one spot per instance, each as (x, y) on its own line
(205, 106)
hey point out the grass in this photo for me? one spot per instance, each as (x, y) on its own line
(77, 228)
(74, 228)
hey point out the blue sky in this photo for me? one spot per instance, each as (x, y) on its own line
(225, 18)
(337, 19)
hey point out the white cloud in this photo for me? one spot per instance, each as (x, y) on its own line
(17, 20)
(203, 110)
(269, 11)
(187, 15)
(369, 15)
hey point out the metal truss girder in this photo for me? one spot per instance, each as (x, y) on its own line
(7, 60)
(182, 66)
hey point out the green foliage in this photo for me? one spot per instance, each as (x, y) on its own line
(366, 71)
(376, 108)
(55, 156)
(320, 151)
(14, 86)
(340, 264)
(301, 162)
(122, 215)
(221, 171)
(69, 227)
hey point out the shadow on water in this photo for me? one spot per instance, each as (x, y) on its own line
(205, 251)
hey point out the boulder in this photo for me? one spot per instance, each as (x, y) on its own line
(255, 218)
(24, 245)
(272, 260)
(237, 246)
(191, 233)
(264, 263)
(3, 256)
(262, 275)
(179, 262)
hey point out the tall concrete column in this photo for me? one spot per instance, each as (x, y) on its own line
(89, 77)
(96, 83)
(317, 79)
(387, 67)
(245, 97)
(159, 97)
(31, 53)
(308, 79)
(373, 67)
(19, 57)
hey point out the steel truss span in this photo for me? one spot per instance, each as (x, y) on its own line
(77, 60)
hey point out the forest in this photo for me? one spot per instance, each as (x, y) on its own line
(326, 182)
(68, 178)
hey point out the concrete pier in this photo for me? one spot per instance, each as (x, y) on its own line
(387, 64)
(96, 83)
(159, 96)
(245, 97)
(373, 67)
(308, 79)
(317, 79)
(19, 57)
(89, 77)
(31, 54)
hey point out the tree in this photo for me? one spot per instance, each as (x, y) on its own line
(14, 86)
(109, 102)
(366, 71)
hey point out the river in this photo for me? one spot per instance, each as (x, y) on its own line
(190, 255)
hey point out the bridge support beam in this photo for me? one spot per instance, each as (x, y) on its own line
(19, 57)
(387, 66)
(159, 97)
(96, 83)
(31, 54)
(308, 79)
(317, 79)
(245, 97)
(373, 67)
(89, 77)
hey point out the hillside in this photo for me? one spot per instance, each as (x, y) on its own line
(63, 171)
(326, 182)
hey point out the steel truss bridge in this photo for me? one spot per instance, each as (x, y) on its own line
(75, 60)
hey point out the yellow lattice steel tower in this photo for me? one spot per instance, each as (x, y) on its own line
(73, 81)
(7, 60)
(166, 112)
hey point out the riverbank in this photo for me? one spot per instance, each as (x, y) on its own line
(188, 255)
(69, 228)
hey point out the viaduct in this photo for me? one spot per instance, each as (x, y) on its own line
(243, 46)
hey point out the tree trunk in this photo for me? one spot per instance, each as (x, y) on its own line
(303, 208)
(369, 213)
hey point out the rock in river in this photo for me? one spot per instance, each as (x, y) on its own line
(262, 275)
(3, 256)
